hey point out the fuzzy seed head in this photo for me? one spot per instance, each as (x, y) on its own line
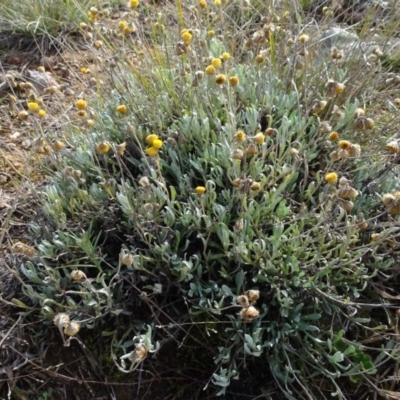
(249, 314)
(243, 301)
(77, 275)
(237, 154)
(253, 295)
(71, 328)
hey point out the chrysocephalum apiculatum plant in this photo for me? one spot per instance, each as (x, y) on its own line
(214, 193)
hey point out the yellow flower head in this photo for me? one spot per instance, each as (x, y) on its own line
(84, 70)
(233, 80)
(122, 25)
(157, 144)
(344, 144)
(211, 33)
(133, 4)
(259, 138)
(334, 136)
(33, 106)
(210, 70)
(151, 138)
(103, 147)
(58, 145)
(332, 178)
(217, 2)
(202, 3)
(186, 37)
(81, 104)
(216, 62)
(226, 56)
(200, 190)
(151, 151)
(122, 109)
(240, 136)
(42, 113)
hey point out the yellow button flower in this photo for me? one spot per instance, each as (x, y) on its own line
(216, 62)
(81, 104)
(157, 144)
(33, 106)
(151, 151)
(259, 138)
(103, 147)
(122, 109)
(210, 70)
(200, 190)
(233, 80)
(332, 178)
(151, 138)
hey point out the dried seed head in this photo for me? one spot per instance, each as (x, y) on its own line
(253, 295)
(71, 328)
(388, 199)
(344, 182)
(255, 186)
(347, 192)
(243, 301)
(237, 182)
(140, 353)
(61, 320)
(393, 146)
(293, 152)
(271, 132)
(77, 275)
(355, 150)
(251, 149)
(318, 106)
(249, 314)
(363, 225)
(237, 154)
(126, 258)
(120, 148)
(347, 205)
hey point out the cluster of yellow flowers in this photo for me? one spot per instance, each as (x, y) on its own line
(155, 145)
(251, 148)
